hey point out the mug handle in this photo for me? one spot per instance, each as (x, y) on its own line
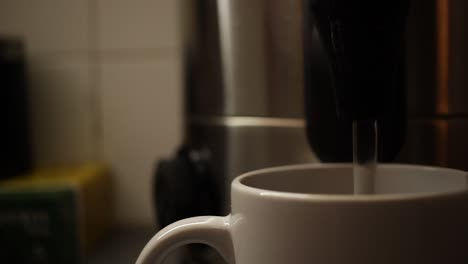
(213, 231)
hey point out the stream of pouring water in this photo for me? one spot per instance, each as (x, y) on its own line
(365, 138)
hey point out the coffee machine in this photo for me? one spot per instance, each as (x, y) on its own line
(249, 65)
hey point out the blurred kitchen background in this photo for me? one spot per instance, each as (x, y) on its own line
(93, 110)
(104, 87)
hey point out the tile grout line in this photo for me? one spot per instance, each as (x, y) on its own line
(166, 53)
(119, 54)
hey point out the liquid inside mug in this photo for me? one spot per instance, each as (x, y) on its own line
(308, 214)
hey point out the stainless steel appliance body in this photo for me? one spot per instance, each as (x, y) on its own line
(244, 85)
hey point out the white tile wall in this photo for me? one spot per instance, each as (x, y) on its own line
(141, 115)
(62, 111)
(105, 85)
(47, 25)
(137, 24)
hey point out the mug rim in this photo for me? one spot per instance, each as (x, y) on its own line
(239, 186)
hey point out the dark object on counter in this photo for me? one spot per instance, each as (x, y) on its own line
(15, 146)
(184, 187)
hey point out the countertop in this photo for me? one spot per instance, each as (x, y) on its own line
(123, 247)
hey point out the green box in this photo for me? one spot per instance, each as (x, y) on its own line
(54, 216)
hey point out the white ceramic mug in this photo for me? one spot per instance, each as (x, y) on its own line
(307, 214)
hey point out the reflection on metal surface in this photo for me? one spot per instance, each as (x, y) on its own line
(203, 78)
(458, 92)
(244, 57)
(443, 55)
(239, 149)
(246, 121)
(437, 58)
(439, 142)
(421, 58)
(262, 57)
(260, 147)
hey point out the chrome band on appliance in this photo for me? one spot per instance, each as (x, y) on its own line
(246, 121)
